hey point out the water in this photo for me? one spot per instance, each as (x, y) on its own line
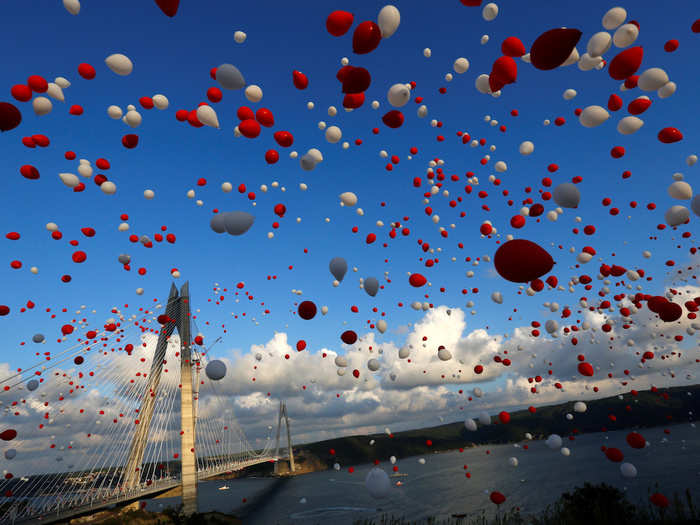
(440, 487)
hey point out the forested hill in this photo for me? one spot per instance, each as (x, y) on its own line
(662, 407)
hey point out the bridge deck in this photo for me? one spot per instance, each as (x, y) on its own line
(108, 497)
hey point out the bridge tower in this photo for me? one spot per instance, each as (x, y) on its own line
(178, 310)
(283, 414)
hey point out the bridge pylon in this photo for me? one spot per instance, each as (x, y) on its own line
(283, 414)
(178, 312)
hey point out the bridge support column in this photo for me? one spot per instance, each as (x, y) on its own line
(187, 441)
(283, 414)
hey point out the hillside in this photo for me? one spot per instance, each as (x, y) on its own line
(646, 409)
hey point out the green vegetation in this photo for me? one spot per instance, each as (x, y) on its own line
(646, 409)
(587, 505)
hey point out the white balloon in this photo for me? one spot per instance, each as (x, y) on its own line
(587, 62)
(108, 187)
(565, 451)
(599, 44)
(628, 470)
(373, 365)
(239, 37)
(573, 58)
(526, 148)
(160, 101)
(625, 35)
(207, 116)
(348, 198)
(551, 326)
(55, 92)
(114, 112)
(421, 461)
(149, 194)
(72, 6)
(569, 94)
(500, 166)
(226, 187)
(593, 116)
(629, 125)
(42, 106)
(392, 460)
(554, 441)
(215, 370)
(119, 64)
(69, 179)
(422, 111)
(336, 466)
(427, 52)
(680, 190)
(489, 12)
(461, 65)
(676, 215)
(497, 297)
(668, 89)
(444, 354)
(484, 418)
(470, 425)
(388, 20)
(62, 82)
(691, 160)
(614, 17)
(652, 79)
(341, 361)
(513, 462)
(133, 118)
(333, 134)
(404, 352)
(381, 326)
(580, 407)
(477, 391)
(482, 84)
(253, 93)
(85, 170)
(484, 39)
(324, 310)
(398, 95)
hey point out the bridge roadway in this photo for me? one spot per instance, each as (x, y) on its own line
(106, 497)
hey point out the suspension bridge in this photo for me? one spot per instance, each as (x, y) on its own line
(113, 431)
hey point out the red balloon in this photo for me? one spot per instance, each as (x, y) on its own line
(636, 440)
(366, 38)
(130, 141)
(670, 312)
(86, 71)
(393, 119)
(551, 49)
(41, 140)
(163, 319)
(146, 102)
(417, 280)
(522, 261)
(193, 120)
(353, 100)
(638, 106)
(102, 164)
(244, 113)
(348, 337)
(10, 117)
(617, 152)
(280, 210)
(614, 454)
(38, 84)
(614, 102)
(656, 303)
(29, 172)
(284, 138)
(88, 232)
(505, 69)
(504, 417)
(626, 63)
(495, 83)
(67, 329)
(78, 360)
(264, 117)
(497, 498)
(214, 94)
(339, 22)
(301, 345)
(356, 80)
(307, 310)
(670, 135)
(199, 340)
(21, 92)
(8, 435)
(585, 369)
(342, 72)
(471, 3)
(671, 45)
(271, 156)
(249, 128)
(512, 47)
(169, 7)
(79, 256)
(695, 28)
(181, 115)
(657, 498)
(76, 110)
(300, 80)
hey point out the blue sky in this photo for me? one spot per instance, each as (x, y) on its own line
(174, 56)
